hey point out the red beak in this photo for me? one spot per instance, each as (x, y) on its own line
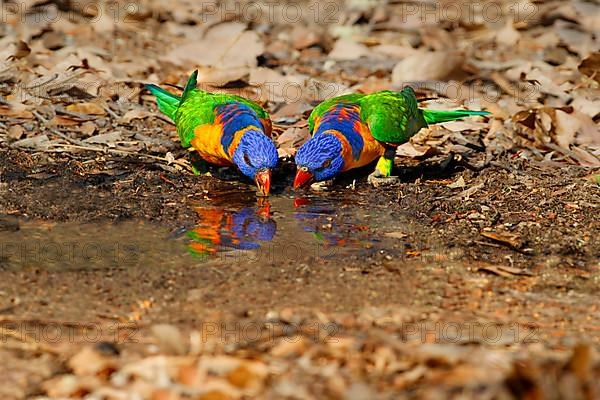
(263, 181)
(303, 178)
(301, 201)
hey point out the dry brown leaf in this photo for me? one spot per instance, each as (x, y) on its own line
(64, 121)
(68, 386)
(409, 149)
(86, 108)
(566, 127)
(589, 132)
(15, 132)
(39, 142)
(576, 40)
(135, 114)
(88, 128)
(303, 37)
(289, 141)
(22, 50)
(508, 35)
(287, 347)
(13, 112)
(585, 157)
(217, 77)
(105, 138)
(587, 101)
(274, 86)
(393, 51)
(293, 109)
(458, 184)
(547, 82)
(506, 238)
(372, 84)
(426, 66)
(503, 270)
(224, 46)
(347, 49)
(590, 66)
(467, 193)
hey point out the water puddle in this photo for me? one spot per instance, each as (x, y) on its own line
(275, 227)
(230, 227)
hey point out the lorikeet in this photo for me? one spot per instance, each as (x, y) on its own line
(219, 230)
(224, 129)
(353, 130)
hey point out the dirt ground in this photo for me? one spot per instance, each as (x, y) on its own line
(475, 276)
(426, 260)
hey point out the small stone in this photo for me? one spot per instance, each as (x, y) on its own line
(15, 132)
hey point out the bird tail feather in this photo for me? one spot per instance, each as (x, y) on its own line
(437, 116)
(190, 85)
(167, 101)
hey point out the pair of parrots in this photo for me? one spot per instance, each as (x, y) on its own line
(348, 131)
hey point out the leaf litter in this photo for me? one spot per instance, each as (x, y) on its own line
(71, 92)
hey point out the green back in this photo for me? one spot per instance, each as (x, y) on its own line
(197, 108)
(392, 117)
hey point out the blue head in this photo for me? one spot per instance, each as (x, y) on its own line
(256, 156)
(318, 159)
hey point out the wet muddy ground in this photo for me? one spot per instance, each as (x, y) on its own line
(516, 247)
(125, 276)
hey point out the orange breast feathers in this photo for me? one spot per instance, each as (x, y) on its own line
(371, 148)
(207, 142)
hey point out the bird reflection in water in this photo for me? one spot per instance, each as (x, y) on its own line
(319, 219)
(220, 230)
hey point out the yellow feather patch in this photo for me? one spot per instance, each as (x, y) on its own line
(237, 137)
(207, 142)
(372, 148)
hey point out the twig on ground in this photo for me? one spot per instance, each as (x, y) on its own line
(44, 122)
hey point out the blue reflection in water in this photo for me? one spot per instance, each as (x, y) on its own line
(219, 229)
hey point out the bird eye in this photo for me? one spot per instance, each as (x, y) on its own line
(247, 160)
(325, 164)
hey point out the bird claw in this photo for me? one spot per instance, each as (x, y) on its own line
(377, 179)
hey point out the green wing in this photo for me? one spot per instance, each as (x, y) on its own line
(320, 109)
(392, 117)
(197, 108)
